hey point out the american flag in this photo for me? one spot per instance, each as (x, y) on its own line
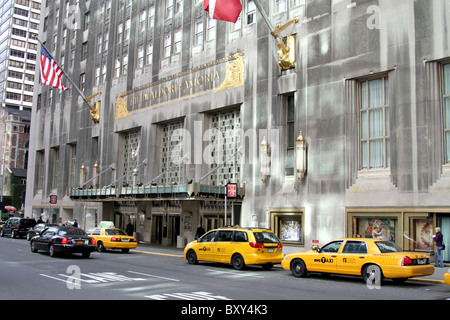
(51, 73)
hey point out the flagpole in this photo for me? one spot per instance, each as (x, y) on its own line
(67, 76)
(266, 18)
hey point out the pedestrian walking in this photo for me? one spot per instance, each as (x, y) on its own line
(200, 231)
(129, 229)
(438, 258)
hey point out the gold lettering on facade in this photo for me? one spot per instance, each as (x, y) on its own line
(182, 85)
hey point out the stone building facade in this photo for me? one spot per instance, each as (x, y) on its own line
(178, 94)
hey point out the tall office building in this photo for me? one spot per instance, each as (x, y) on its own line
(339, 127)
(18, 52)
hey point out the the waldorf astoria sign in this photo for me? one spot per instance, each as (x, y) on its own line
(215, 76)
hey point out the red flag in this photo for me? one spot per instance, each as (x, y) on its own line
(227, 10)
(51, 73)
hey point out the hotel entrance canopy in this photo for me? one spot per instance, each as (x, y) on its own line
(188, 191)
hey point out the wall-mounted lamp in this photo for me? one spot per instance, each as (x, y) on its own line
(83, 175)
(300, 156)
(264, 159)
(96, 180)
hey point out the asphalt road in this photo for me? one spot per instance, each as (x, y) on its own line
(139, 276)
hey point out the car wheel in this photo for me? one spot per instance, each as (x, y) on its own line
(238, 262)
(298, 268)
(372, 275)
(2, 233)
(101, 247)
(192, 257)
(33, 247)
(51, 251)
(125, 250)
(86, 254)
(13, 234)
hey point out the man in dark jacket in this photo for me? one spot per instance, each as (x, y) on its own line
(438, 238)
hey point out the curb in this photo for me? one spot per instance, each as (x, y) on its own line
(160, 254)
(427, 280)
(276, 266)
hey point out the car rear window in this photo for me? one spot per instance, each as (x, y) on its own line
(387, 247)
(265, 237)
(71, 232)
(114, 232)
(27, 222)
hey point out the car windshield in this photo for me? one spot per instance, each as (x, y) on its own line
(114, 232)
(266, 237)
(71, 232)
(209, 237)
(387, 247)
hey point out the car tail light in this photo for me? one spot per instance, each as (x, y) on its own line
(134, 240)
(64, 240)
(113, 239)
(93, 241)
(256, 245)
(280, 245)
(406, 261)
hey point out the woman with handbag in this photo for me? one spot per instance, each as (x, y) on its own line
(438, 238)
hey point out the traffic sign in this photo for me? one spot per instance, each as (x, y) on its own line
(231, 190)
(53, 199)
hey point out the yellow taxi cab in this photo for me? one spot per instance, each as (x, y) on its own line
(112, 238)
(447, 277)
(238, 246)
(369, 258)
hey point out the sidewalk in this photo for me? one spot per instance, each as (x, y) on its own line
(160, 249)
(173, 251)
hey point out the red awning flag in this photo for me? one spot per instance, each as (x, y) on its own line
(226, 10)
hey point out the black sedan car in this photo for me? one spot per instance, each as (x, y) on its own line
(63, 240)
(36, 230)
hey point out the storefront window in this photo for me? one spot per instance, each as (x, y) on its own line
(288, 226)
(410, 229)
(50, 215)
(90, 220)
(376, 228)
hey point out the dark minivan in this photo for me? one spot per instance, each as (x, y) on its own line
(17, 227)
